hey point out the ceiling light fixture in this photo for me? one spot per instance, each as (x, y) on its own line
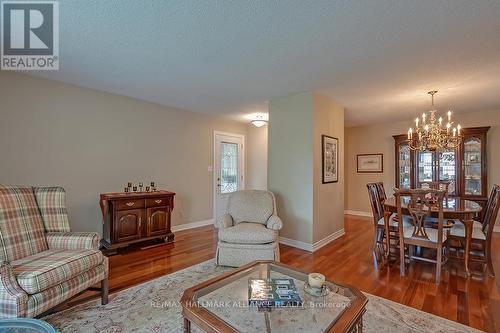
(259, 120)
(432, 133)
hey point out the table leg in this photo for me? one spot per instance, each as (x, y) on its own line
(388, 240)
(468, 239)
(187, 326)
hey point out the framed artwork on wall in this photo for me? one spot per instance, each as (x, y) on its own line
(329, 159)
(370, 163)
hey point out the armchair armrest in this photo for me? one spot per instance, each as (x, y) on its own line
(73, 240)
(14, 298)
(224, 221)
(274, 223)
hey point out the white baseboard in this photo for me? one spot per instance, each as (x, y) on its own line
(328, 239)
(192, 225)
(358, 213)
(496, 228)
(312, 247)
(295, 243)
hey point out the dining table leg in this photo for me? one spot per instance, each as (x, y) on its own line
(468, 240)
(387, 216)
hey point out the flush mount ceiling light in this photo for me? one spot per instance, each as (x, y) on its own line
(259, 120)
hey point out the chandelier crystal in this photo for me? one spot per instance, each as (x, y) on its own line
(431, 133)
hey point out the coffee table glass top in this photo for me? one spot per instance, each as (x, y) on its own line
(227, 299)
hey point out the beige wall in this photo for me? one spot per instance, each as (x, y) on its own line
(378, 139)
(257, 158)
(290, 168)
(311, 210)
(328, 200)
(91, 142)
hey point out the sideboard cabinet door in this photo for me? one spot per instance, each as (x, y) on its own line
(128, 224)
(158, 221)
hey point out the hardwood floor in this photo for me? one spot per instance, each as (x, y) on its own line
(473, 301)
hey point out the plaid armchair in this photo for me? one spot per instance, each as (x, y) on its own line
(42, 262)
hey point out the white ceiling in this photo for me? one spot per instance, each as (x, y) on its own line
(378, 58)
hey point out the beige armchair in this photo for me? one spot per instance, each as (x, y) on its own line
(248, 230)
(43, 263)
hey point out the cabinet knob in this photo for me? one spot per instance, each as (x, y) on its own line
(130, 204)
(158, 201)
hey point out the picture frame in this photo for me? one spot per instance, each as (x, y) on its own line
(370, 163)
(329, 159)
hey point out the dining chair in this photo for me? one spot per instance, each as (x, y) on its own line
(422, 202)
(377, 195)
(378, 218)
(482, 232)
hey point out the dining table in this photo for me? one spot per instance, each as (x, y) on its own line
(454, 208)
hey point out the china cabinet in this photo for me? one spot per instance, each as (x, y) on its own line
(465, 167)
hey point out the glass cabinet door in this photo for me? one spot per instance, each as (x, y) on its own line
(404, 166)
(472, 166)
(425, 167)
(447, 170)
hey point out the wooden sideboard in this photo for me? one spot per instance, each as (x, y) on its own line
(133, 217)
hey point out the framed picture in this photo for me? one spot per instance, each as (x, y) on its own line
(330, 159)
(370, 163)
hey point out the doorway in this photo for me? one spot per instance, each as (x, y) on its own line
(229, 168)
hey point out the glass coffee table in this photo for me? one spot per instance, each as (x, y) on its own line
(221, 304)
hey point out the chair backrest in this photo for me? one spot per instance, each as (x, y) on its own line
(21, 228)
(52, 204)
(381, 191)
(438, 185)
(253, 206)
(375, 201)
(491, 212)
(422, 203)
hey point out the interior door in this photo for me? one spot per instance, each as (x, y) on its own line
(229, 167)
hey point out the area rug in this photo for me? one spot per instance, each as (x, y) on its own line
(154, 307)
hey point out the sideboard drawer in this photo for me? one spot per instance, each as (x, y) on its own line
(128, 204)
(156, 202)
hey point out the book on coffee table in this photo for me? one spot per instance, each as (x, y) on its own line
(273, 293)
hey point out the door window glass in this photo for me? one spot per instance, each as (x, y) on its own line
(229, 167)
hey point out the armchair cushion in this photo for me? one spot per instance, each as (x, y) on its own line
(43, 270)
(248, 233)
(251, 206)
(73, 240)
(274, 223)
(21, 228)
(224, 221)
(52, 204)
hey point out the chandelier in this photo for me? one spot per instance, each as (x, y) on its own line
(430, 133)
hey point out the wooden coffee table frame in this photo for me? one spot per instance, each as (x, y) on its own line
(350, 320)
